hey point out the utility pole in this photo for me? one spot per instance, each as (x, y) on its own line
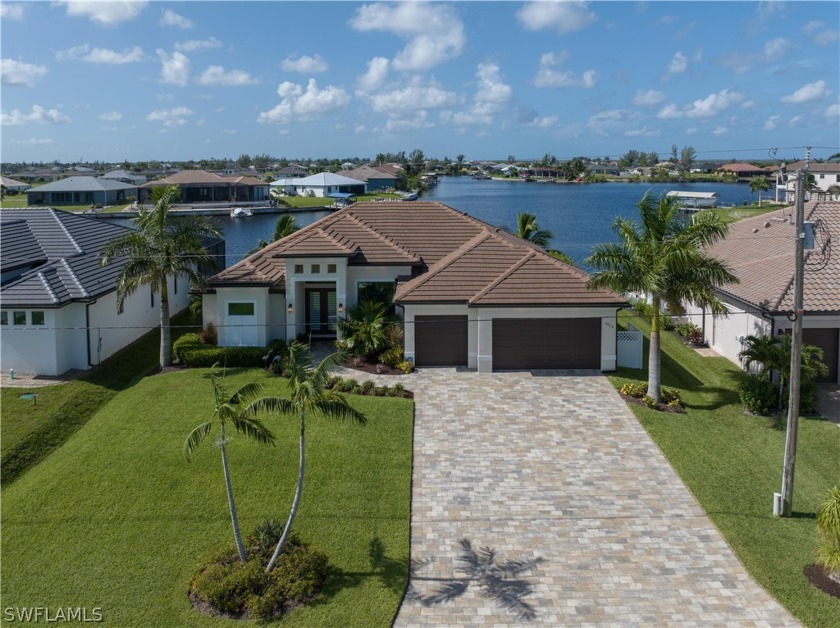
(796, 347)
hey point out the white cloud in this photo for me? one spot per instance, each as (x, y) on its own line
(565, 16)
(678, 65)
(604, 121)
(709, 106)
(170, 18)
(304, 64)
(102, 55)
(548, 76)
(105, 13)
(110, 116)
(648, 97)
(175, 69)
(33, 141)
(796, 121)
(643, 132)
(775, 49)
(544, 122)
(748, 104)
(434, 31)
(720, 130)
(807, 93)
(820, 34)
(772, 51)
(194, 45)
(833, 111)
(491, 87)
(10, 11)
(13, 72)
(165, 97)
(229, 131)
(413, 98)
(305, 103)
(418, 121)
(174, 117)
(375, 76)
(216, 75)
(771, 123)
(38, 115)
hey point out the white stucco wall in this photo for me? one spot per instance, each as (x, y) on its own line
(27, 348)
(258, 295)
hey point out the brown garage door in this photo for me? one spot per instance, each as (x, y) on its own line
(546, 343)
(440, 340)
(825, 339)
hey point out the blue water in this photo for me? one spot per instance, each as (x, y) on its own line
(579, 215)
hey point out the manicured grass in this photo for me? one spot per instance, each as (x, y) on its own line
(117, 519)
(19, 201)
(732, 214)
(732, 463)
(29, 432)
(306, 201)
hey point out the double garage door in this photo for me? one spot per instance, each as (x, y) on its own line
(518, 343)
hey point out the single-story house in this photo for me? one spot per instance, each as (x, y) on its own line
(374, 178)
(610, 168)
(470, 294)
(13, 184)
(291, 172)
(58, 306)
(82, 190)
(741, 169)
(125, 177)
(324, 184)
(286, 186)
(761, 252)
(199, 186)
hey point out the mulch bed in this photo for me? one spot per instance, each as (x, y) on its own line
(818, 577)
(660, 407)
(367, 367)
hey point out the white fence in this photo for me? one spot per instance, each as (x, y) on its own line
(630, 346)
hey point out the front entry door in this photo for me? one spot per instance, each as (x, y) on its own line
(320, 311)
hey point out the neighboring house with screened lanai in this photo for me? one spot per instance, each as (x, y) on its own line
(470, 294)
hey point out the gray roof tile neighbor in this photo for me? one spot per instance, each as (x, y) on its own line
(83, 184)
(62, 250)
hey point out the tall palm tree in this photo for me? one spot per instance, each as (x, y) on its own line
(285, 225)
(160, 248)
(528, 229)
(759, 185)
(242, 410)
(310, 395)
(663, 256)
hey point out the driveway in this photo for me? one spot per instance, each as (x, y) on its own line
(581, 518)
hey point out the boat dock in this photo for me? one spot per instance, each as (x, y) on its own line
(182, 210)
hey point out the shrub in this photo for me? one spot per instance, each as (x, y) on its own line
(391, 357)
(695, 336)
(366, 387)
(684, 329)
(381, 391)
(333, 382)
(278, 346)
(397, 390)
(347, 385)
(671, 398)
(406, 367)
(187, 341)
(807, 396)
(208, 335)
(267, 534)
(634, 389)
(650, 402)
(226, 585)
(828, 527)
(206, 356)
(757, 394)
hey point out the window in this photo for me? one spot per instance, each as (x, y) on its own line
(4, 318)
(331, 268)
(316, 268)
(38, 317)
(175, 283)
(153, 298)
(298, 268)
(240, 309)
(19, 318)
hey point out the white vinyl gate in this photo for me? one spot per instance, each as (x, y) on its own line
(629, 348)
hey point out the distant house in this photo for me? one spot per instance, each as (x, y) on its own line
(291, 172)
(703, 167)
(611, 169)
(13, 184)
(324, 184)
(286, 186)
(58, 306)
(743, 170)
(125, 177)
(81, 191)
(199, 186)
(375, 178)
(761, 253)
(825, 176)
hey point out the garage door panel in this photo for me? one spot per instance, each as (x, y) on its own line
(546, 343)
(440, 340)
(825, 339)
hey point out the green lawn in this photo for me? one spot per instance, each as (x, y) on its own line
(732, 214)
(117, 519)
(732, 463)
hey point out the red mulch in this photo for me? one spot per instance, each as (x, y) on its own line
(660, 407)
(818, 577)
(366, 367)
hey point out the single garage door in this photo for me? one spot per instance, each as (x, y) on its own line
(825, 339)
(440, 340)
(546, 343)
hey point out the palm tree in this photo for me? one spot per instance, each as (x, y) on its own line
(364, 331)
(160, 248)
(528, 229)
(242, 410)
(310, 395)
(664, 257)
(759, 184)
(285, 225)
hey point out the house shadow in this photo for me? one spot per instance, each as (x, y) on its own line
(502, 581)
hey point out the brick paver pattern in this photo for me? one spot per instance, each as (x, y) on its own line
(553, 473)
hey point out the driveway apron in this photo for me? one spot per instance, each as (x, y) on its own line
(539, 499)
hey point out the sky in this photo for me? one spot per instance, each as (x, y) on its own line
(114, 81)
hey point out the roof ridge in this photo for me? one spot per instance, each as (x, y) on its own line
(529, 255)
(444, 262)
(73, 276)
(381, 236)
(65, 230)
(300, 233)
(785, 292)
(331, 238)
(47, 286)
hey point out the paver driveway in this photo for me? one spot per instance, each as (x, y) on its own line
(589, 523)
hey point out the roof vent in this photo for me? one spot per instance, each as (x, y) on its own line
(755, 230)
(767, 225)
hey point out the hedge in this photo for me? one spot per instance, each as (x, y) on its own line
(206, 356)
(187, 341)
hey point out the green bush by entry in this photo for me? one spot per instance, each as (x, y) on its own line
(187, 341)
(206, 356)
(758, 394)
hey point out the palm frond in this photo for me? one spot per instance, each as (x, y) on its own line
(195, 438)
(334, 406)
(252, 428)
(247, 392)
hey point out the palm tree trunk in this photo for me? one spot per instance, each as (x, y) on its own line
(165, 337)
(654, 356)
(298, 491)
(240, 546)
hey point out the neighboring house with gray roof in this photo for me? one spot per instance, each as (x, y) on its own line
(374, 178)
(58, 306)
(81, 190)
(125, 176)
(761, 253)
(13, 184)
(324, 184)
(470, 294)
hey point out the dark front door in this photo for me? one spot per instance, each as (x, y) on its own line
(320, 311)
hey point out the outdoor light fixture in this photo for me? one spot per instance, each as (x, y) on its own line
(340, 308)
(290, 308)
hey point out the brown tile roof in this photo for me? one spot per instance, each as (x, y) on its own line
(742, 168)
(366, 173)
(456, 257)
(244, 180)
(761, 252)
